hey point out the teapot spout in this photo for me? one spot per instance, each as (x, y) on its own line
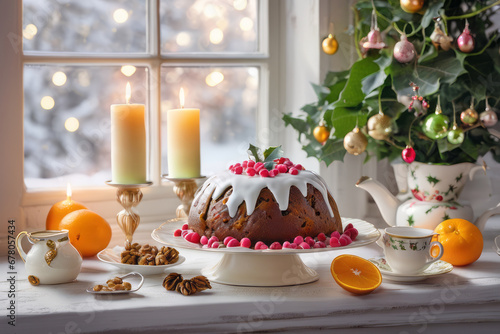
(481, 221)
(387, 203)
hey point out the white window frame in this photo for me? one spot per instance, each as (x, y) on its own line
(153, 60)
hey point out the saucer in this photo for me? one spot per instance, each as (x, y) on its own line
(437, 268)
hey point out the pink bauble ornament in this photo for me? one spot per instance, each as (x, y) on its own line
(404, 51)
(408, 154)
(465, 41)
(489, 117)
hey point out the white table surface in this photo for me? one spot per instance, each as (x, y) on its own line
(468, 298)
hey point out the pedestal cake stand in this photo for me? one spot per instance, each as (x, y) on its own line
(249, 267)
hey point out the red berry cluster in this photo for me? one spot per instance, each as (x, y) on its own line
(321, 241)
(252, 168)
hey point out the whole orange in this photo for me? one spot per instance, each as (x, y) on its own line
(89, 233)
(462, 241)
(59, 210)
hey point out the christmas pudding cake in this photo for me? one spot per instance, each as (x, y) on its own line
(265, 202)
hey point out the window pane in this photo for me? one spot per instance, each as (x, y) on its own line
(85, 26)
(209, 26)
(67, 121)
(228, 101)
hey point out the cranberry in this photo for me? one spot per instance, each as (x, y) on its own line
(245, 242)
(251, 163)
(178, 232)
(293, 171)
(282, 168)
(264, 173)
(233, 243)
(238, 170)
(275, 245)
(227, 239)
(204, 240)
(298, 240)
(334, 242)
(304, 245)
(250, 171)
(321, 237)
(310, 241)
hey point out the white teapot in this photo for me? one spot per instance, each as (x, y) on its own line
(51, 259)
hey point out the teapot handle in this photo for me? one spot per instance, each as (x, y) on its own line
(474, 170)
(19, 246)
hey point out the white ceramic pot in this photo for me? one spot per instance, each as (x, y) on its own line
(52, 259)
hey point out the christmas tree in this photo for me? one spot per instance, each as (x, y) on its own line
(425, 87)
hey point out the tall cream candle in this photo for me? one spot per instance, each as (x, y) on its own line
(183, 141)
(128, 142)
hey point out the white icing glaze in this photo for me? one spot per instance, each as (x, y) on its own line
(247, 189)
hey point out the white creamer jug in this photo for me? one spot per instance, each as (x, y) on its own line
(52, 259)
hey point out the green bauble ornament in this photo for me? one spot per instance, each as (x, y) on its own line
(456, 135)
(436, 126)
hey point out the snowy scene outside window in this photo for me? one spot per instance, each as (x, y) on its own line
(67, 101)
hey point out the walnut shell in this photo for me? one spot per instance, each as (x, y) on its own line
(186, 287)
(115, 280)
(129, 257)
(147, 249)
(201, 283)
(171, 281)
(147, 260)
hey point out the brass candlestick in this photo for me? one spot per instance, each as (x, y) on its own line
(129, 196)
(185, 190)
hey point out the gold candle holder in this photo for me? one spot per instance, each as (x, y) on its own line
(129, 196)
(184, 188)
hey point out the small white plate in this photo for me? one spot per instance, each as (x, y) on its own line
(135, 285)
(113, 256)
(437, 268)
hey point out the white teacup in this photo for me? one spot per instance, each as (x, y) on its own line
(408, 249)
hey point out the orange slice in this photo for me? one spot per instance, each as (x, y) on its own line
(355, 274)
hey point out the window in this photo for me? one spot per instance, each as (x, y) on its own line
(79, 55)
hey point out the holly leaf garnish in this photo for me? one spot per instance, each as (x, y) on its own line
(254, 153)
(267, 157)
(273, 152)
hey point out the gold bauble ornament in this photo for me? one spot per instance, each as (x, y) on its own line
(330, 45)
(379, 126)
(355, 142)
(321, 132)
(411, 6)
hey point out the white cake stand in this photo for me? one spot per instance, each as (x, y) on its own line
(249, 267)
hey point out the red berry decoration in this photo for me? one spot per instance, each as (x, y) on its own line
(408, 154)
